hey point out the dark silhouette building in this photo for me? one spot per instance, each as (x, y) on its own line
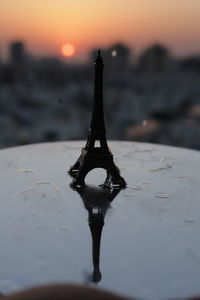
(117, 62)
(154, 59)
(18, 54)
(191, 64)
(120, 54)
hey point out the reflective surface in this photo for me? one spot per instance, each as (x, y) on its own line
(150, 241)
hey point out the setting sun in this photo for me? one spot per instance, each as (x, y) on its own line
(72, 29)
(68, 50)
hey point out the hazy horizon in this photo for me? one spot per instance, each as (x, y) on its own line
(46, 26)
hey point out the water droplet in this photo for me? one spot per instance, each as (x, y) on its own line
(189, 220)
(25, 171)
(43, 195)
(162, 196)
(136, 187)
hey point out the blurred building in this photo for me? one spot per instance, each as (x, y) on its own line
(191, 64)
(0, 55)
(21, 63)
(118, 57)
(18, 54)
(154, 59)
(51, 71)
(1, 66)
(117, 61)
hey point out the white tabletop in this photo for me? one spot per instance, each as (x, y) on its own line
(150, 245)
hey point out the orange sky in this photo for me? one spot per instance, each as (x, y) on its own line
(45, 25)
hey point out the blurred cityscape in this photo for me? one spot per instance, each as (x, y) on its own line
(153, 97)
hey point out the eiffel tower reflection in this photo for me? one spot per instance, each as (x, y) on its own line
(97, 201)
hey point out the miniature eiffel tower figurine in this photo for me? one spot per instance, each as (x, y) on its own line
(97, 157)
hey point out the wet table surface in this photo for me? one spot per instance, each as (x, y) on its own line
(150, 243)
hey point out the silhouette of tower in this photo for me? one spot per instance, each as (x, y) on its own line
(96, 200)
(97, 156)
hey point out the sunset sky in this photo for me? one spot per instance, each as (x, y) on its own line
(46, 25)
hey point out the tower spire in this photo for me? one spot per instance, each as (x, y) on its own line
(97, 125)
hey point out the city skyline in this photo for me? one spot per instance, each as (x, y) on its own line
(48, 25)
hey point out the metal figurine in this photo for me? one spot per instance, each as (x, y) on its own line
(97, 201)
(97, 157)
